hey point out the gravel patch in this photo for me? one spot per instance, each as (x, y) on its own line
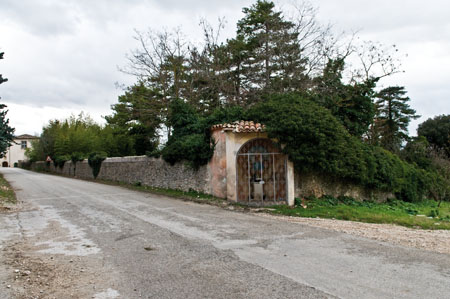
(431, 240)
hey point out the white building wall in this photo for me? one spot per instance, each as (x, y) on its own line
(15, 152)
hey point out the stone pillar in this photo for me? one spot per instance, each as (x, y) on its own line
(290, 184)
(231, 166)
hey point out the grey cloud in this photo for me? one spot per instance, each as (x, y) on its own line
(41, 18)
(386, 15)
(76, 44)
(195, 6)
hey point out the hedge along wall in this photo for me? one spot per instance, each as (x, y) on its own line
(140, 169)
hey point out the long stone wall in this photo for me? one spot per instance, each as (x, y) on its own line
(140, 169)
(209, 179)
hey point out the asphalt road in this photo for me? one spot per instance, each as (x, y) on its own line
(110, 242)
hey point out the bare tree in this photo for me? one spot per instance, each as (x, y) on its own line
(376, 61)
(160, 62)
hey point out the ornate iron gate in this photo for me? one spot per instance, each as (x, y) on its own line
(261, 173)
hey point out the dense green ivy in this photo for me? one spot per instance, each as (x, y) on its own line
(191, 139)
(316, 141)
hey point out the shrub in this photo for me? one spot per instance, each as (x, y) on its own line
(59, 161)
(26, 164)
(76, 157)
(194, 149)
(153, 154)
(95, 160)
(191, 139)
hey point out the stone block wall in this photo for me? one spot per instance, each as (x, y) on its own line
(140, 169)
(317, 186)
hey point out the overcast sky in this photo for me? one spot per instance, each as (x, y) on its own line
(61, 57)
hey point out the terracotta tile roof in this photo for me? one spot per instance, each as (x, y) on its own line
(241, 127)
(26, 136)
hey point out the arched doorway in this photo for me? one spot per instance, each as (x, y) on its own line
(5, 164)
(261, 172)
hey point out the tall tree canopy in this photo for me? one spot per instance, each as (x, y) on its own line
(2, 80)
(437, 131)
(350, 103)
(273, 61)
(393, 116)
(138, 116)
(79, 136)
(6, 132)
(269, 54)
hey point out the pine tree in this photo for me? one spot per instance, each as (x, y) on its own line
(139, 115)
(6, 132)
(394, 115)
(2, 80)
(272, 54)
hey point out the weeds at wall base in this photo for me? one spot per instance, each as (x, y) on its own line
(7, 194)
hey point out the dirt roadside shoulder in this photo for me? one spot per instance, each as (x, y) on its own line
(430, 240)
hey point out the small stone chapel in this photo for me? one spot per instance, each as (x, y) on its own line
(249, 168)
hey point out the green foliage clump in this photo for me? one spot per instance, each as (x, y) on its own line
(135, 121)
(437, 131)
(189, 141)
(417, 151)
(59, 161)
(77, 157)
(6, 132)
(95, 160)
(316, 141)
(191, 138)
(191, 148)
(82, 135)
(153, 154)
(349, 103)
(393, 117)
(314, 138)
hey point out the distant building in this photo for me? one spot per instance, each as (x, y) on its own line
(16, 152)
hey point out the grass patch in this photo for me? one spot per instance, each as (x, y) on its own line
(7, 195)
(425, 214)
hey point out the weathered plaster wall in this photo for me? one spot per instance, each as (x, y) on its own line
(147, 171)
(315, 185)
(218, 166)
